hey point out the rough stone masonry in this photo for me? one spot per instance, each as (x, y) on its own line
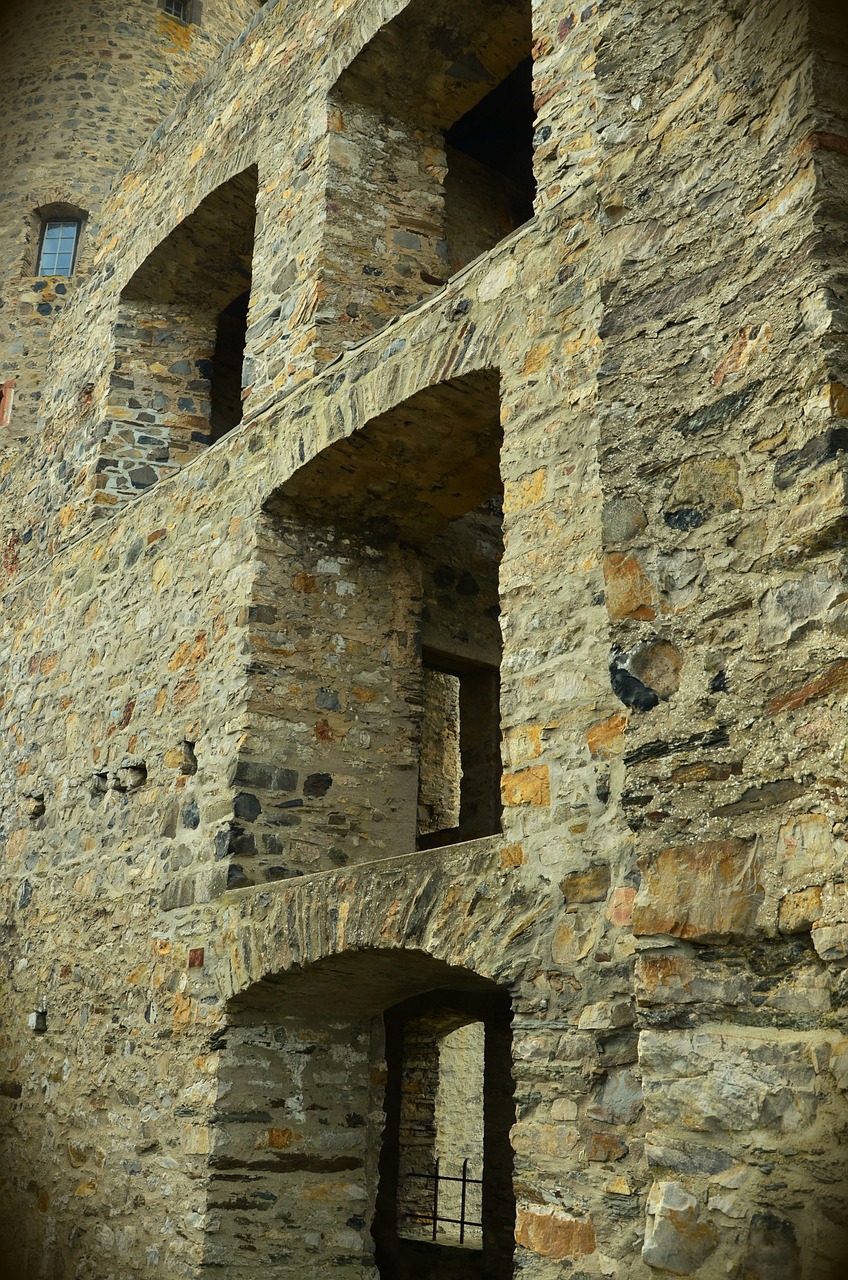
(424, 517)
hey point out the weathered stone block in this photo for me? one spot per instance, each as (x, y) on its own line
(629, 591)
(730, 1083)
(555, 1234)
(591, 885)
(702, 891)
(619, 1099)
(677, 1239)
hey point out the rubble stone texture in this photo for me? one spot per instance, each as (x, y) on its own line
(335, 399)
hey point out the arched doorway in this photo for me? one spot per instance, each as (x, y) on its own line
(312, 1133)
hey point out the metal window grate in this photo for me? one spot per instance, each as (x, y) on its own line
(176, 9)
(437, 1178)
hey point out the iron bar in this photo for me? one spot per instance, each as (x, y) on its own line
(437, 1177)
(462, 1201)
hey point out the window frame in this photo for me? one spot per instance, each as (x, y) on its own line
(47, 218)
(191, 12)
(398, 1254)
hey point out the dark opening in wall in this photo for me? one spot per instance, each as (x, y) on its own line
(445, 1206)
(490, 186)
(187, 11)
(430, 158)
(460, 761)
(179, 343)
(227, 361)
(338, 1082)
(393, 540)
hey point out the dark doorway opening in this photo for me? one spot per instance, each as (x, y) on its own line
(460, 768)
(227, 362)
(437, 1047)
(497, 133)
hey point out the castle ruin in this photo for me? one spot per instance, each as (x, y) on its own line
(424, 474)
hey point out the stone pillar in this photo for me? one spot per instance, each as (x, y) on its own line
(722, 468)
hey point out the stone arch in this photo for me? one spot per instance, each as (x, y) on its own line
(304, 1111)
(179, 343)
(385, 542)
(430, 158)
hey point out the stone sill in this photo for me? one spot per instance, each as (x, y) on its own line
(485, 851)
(469, 276)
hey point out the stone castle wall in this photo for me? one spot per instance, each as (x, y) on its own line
(213, 689)
(84, 86)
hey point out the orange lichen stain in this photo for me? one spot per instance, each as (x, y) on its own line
(552, 1234)
(189, 652)
(536, 357)
(305, 582)
(162, 946)
(199, 649)
(179, 34)
(278, 1139)
(838, 397)
(161, 700)
(85, 1188)
(834, 680)
(23, 768)
(66, 515)
(607, 737)
(186, 691)
(530, 786)
(323, 731)
(630, 593)
(513, 856)
(332, 1191)
(16, 842)
(520, 495)
(181, 1011)
(364, 695)
(748, 343)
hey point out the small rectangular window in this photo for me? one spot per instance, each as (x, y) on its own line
(180, 9)
(58, 251)
(459, 770)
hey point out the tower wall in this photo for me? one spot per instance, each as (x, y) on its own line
(85, 83)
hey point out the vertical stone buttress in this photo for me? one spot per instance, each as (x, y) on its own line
(84, 85)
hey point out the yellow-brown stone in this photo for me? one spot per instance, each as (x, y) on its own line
(530, 786)
(706, 890)
(554, 1234)
(629, 591)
